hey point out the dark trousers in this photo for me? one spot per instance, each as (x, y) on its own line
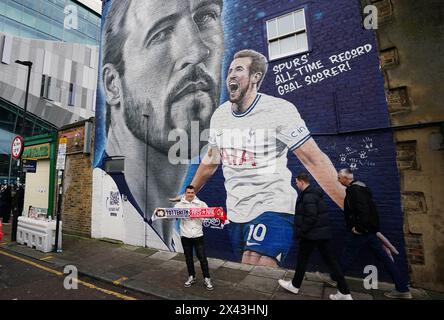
(356, 243)
(5, 212)
(306, 248)
(198, 244)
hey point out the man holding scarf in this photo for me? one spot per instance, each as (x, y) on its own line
(192, 238)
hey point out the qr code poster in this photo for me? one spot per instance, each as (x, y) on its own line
(114, 198)
(114, 202)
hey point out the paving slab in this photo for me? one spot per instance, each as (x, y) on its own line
(312, 289)
(246, 267)
(179, 257)
(280, 295)
(127, 270)
(240, 293)
(163, 255)
(173, 266)
(150, 263)
(289, 274)
(261, 284)
(327, 292)
(419, 294)
(229, 275)
(215, 263)
(145, 251)
(233, 265)
(361, 296)
(267, 272)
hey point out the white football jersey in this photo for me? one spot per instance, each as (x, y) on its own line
(253, 146)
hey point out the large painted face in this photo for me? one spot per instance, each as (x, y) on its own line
(172, 55)
(238, 80)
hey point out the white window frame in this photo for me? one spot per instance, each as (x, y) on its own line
(279, 36)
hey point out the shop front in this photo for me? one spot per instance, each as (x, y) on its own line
(39, 160)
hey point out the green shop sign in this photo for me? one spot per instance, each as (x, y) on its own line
(39, 151)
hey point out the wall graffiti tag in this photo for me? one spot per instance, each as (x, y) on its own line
(362, 155)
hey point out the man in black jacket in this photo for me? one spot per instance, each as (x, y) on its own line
(312, 227)
(362, 223)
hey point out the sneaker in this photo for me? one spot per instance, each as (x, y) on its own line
(326, 279)
(190, 281)
(288, 285)
(208, 284)
(395, 294)
(340, 296)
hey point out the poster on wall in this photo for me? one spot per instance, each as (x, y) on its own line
(237, 98)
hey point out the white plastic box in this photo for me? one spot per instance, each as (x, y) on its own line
(38, 234)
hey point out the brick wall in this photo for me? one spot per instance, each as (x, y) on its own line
(406, 155)
(415, 248)
(421, 172)
(76, 205)
(413, 80)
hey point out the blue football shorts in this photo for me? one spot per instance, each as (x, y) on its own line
(270, 234)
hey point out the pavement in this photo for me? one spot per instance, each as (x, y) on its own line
(162, 273)
(24, 279)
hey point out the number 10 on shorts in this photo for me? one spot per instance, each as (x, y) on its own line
(257, 233)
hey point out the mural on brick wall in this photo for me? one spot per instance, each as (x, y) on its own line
(237, 98)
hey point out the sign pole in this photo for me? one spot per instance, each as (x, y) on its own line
(61, 159)
(59, 211)
(17, 147)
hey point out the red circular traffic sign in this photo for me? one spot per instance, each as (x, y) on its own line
(17, 147)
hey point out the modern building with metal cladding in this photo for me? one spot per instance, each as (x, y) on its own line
(56, 20)
(60, 38)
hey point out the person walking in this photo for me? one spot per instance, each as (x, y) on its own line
(362, 224)
(312, 228)
(192, 239)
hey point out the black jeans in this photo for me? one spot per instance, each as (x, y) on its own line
(198, 244)
(306, 248)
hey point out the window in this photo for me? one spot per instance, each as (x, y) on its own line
(287, 35)
(72, 95)
(47, 87)
(7, 49)
(43, 87)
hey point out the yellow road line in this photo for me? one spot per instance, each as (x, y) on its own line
(60, 274)
(109, 292)
(46, 258)
(119, 281)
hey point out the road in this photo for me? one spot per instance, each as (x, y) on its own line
(22, 278)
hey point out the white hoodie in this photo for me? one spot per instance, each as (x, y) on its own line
(191, 228)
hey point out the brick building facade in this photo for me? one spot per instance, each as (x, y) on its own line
(411, 48)
(77, 180)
